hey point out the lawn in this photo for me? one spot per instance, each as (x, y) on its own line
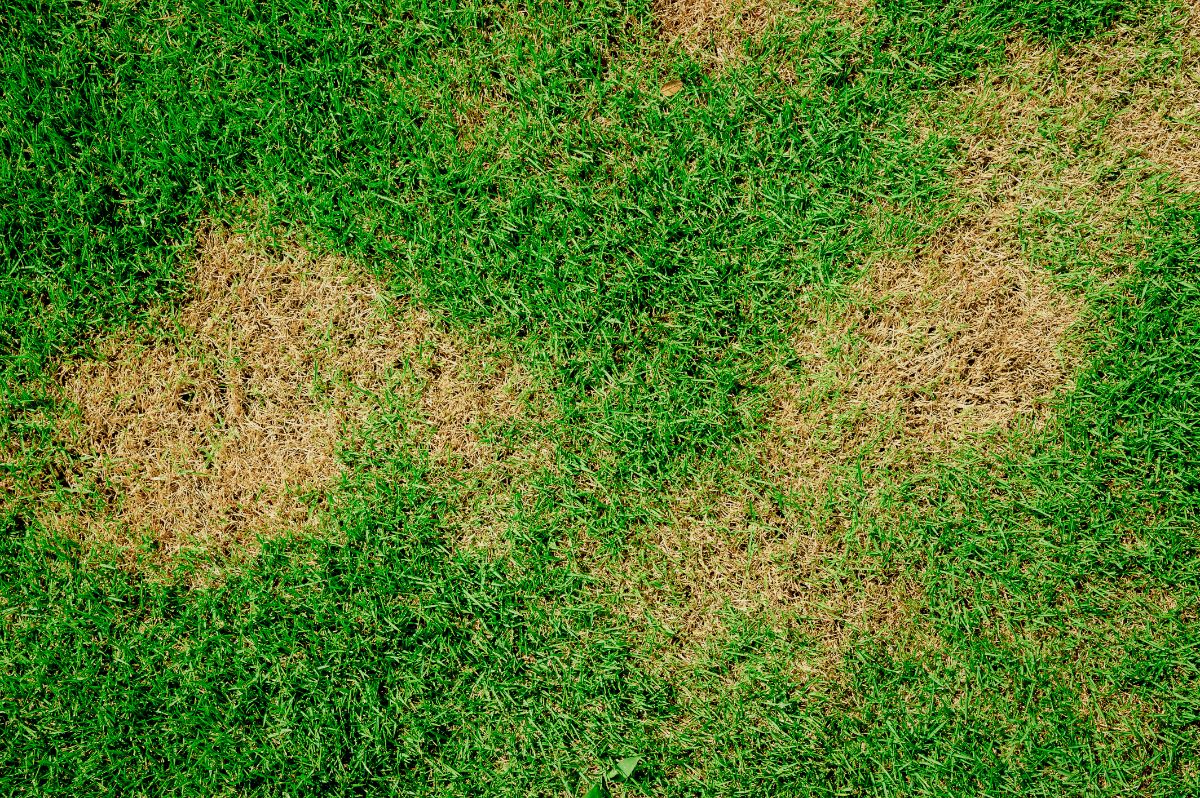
(600, 398)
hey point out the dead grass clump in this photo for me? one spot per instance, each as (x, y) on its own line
(719, 553)
(213, 431)
(1162, 108)
(485, 425)
(1077, 132)
(964, 336)
(968, 334)
(690, 582)
(923, 353)
(719, 25)
(713, 30)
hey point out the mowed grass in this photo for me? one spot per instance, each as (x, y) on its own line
(517, 172)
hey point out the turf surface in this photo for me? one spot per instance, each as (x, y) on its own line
(517, 171)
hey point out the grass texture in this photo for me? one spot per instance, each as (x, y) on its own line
(517, 170)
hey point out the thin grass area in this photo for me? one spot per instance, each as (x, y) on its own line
(714, 31)
(207, 437)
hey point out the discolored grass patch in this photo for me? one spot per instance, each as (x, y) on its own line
(713, 31)
(716, 27)
(725, 553)
(1161, 118)
(922, 354)
(955, 341)
(961, 341)
(970, 331)
(222, 424)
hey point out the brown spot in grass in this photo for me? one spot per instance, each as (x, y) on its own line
(1161, 118)
(486, 431)
(1054, 130)
(210, 433)
(953, 342)
(714, 30)
(965, 335)
(923, 353)
(720, 552)
(719, 25)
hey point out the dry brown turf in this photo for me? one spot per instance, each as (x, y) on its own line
(714, 31)
(209, 435)
(211, 430)
(951, 343)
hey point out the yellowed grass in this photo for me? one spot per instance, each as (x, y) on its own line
(718, 26)
(467, 398)
(209, 435)
(922, 354)
(714, 30)
(953, 343)
(1161, 121)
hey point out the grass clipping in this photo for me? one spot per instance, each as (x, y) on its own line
(223, 426)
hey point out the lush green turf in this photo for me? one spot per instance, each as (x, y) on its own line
(644, 256)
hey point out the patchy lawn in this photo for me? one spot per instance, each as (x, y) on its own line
(466, 398)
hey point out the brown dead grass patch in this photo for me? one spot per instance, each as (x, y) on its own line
(956, 341)
(685, 581)
(720, 553)
(211, 432)
(714, 30)
(922, 354)
(965, 334)
(714, 26)
(485, 427)
(1050, 129)
(1162, 119)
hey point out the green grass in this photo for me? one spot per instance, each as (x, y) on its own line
(644, 257)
